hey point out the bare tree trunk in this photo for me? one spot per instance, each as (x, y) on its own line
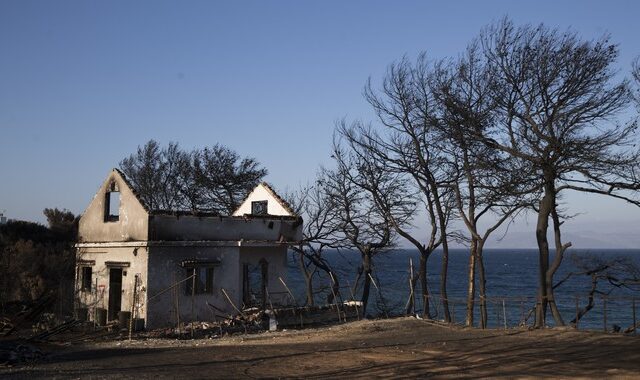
(482, 284)
(546, 205)
(557, 317)
(424, 285)
(366, 271)
(443, 280)
(543, 247)
(557, 260)
(307, 279)
(471, 288)
(421, 277)
(445, 249)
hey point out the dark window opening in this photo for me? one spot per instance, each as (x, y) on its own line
(259, 208)
(203, 280)
(112, 206)
(86, 274)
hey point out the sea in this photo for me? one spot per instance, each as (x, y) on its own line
(512, 280)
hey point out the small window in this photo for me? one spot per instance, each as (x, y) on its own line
(203, 280)
(112, 206)
(259, 208)
(86, 274)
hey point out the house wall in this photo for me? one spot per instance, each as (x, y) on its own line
(132, 224)
(165, 268)
(277, 267)
(99, 297)
(191, 227)
(261, 193)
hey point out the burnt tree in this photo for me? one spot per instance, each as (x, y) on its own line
(407, 142)
(490, 186)
(557, 96)
(361, 223)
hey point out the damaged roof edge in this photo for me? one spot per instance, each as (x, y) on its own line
(214, 215)
(268, 187)
(188, 243)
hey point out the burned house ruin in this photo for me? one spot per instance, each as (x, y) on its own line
(166, 267)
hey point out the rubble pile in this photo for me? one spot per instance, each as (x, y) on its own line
(24, 314)
(250, 321)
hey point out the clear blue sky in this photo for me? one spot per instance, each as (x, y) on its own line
(82, 84)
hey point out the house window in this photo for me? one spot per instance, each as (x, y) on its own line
(259, 208)
(112, 206)
(203, 280)
(86, 274)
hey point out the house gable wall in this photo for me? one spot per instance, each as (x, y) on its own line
(262, 192)
(132, 223)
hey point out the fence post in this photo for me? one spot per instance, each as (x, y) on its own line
(604, 312)
(177, 301)
(425, 299)
(453, 311)
(633, 303)
(193, 296)
(504, 314)
(577, 311)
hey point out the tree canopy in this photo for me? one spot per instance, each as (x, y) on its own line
(213, 179)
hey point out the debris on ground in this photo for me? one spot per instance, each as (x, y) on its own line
(19, 353)
(27, 314)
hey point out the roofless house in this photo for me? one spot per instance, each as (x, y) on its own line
(131, 257)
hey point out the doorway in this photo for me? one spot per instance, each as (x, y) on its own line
(254, 284)
(115, 292)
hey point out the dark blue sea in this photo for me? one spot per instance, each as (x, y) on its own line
(512, 279)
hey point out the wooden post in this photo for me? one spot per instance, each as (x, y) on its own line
(193, 297)
(379, 295)
(453, 311)
(412, 294)
(232, 304)
(95, 306)
(178, 309)
(133, 305)
(604, 313)
(577, 312)
(522, 311)
(633, 304)
(425, 298)
(289, 291)
(353, 298)
(335, 298)
(504, 314)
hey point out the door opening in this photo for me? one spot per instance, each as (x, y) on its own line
(115, 292)
(254, 284)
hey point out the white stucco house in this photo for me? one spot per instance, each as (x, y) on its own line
(170, 266)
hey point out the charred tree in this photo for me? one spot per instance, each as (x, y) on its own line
(556, 96)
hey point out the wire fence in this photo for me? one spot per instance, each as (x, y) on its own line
(617, 314)
(600, 312)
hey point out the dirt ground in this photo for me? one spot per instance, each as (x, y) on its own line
(403, 347)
